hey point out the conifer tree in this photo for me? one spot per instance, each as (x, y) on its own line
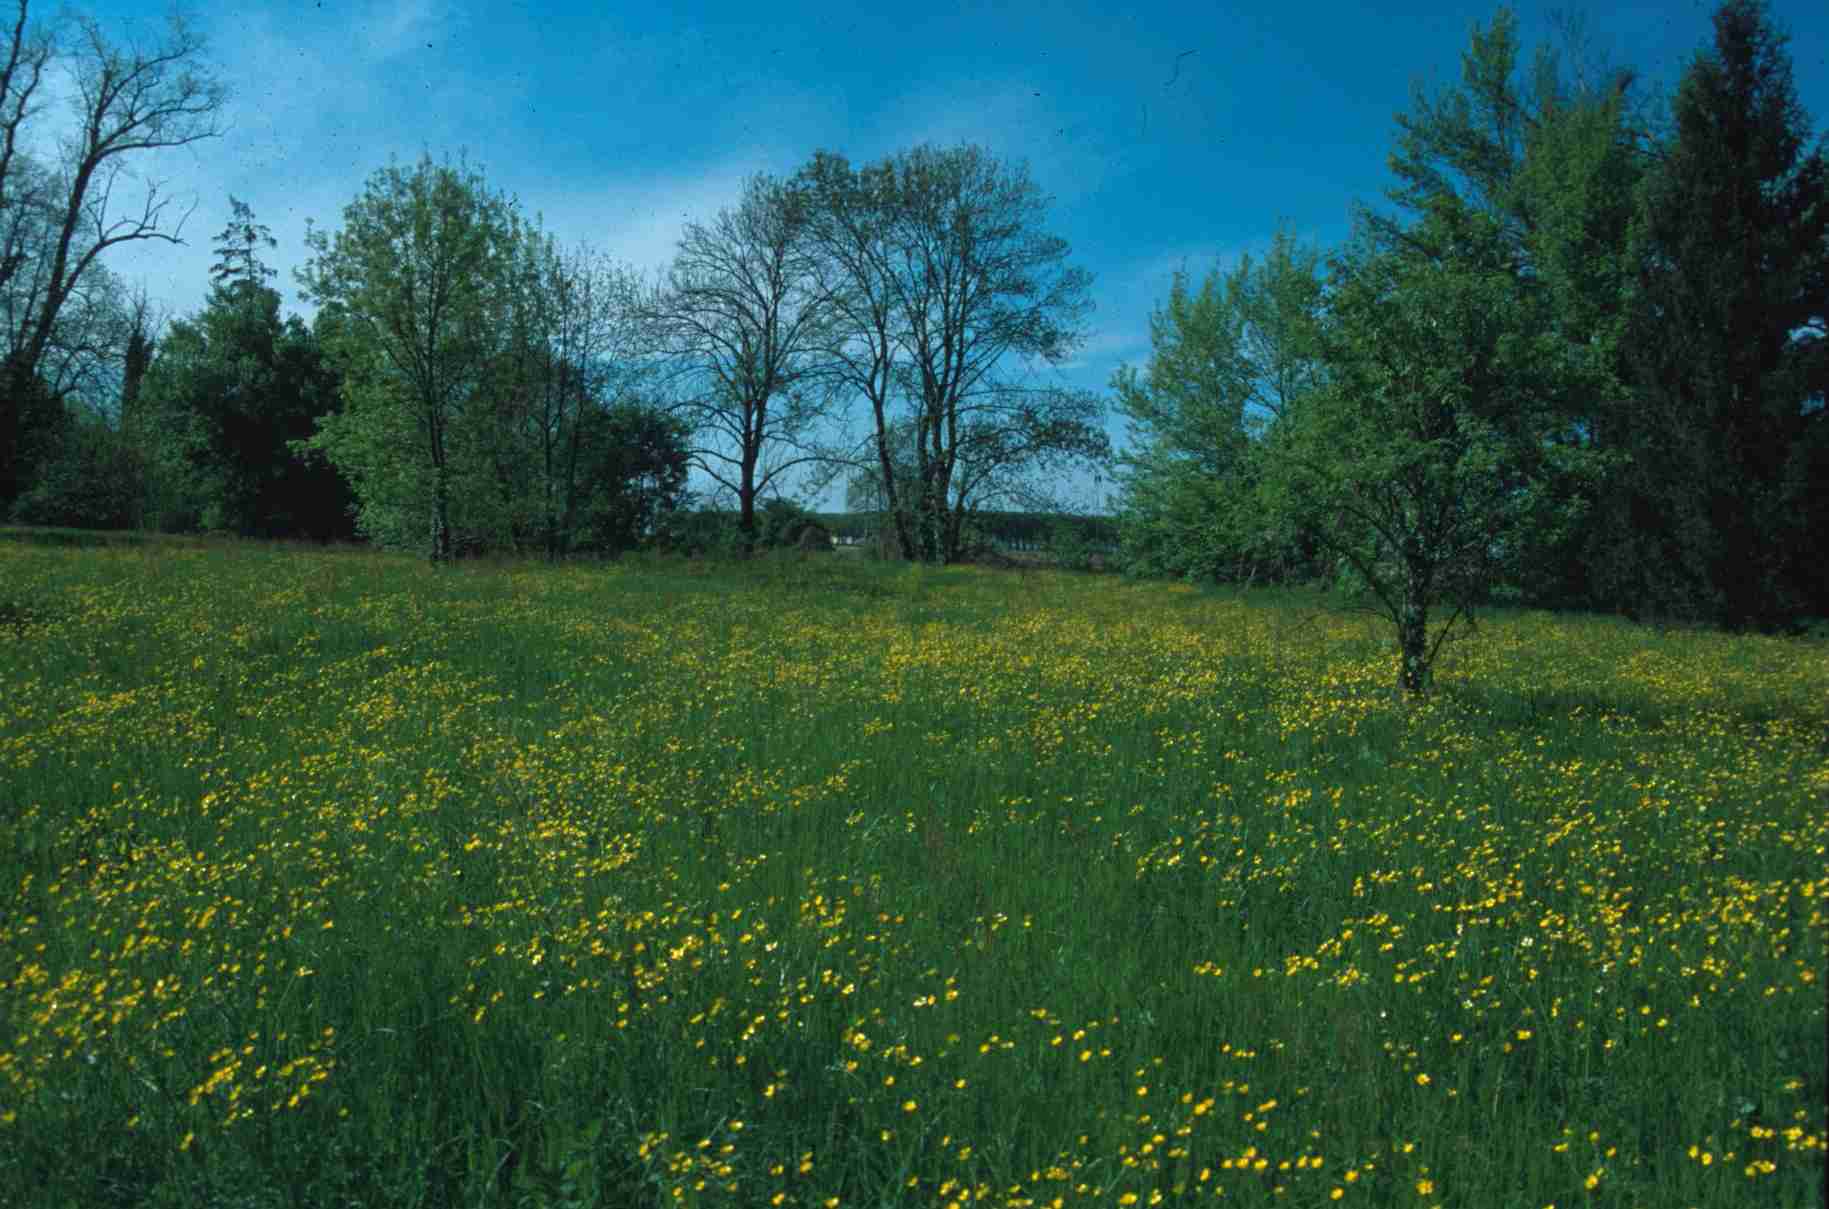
(1726, 343)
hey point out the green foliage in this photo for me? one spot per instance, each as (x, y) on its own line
(1420, 459)
(369, 440)
(699, 531)
(410, 286)
(94, 480)
(718, 534)
(779, 523)
(1577, 189)
(1225, 366)
(34, 424)
(637, 470)
(1650, 446)
(1072, 545)
(1557, 159)
(491, 408)
(238, 266)
(219, 410)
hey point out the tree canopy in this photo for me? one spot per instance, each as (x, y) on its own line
(1227, 364)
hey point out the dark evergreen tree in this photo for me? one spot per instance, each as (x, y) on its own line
(142, 346)
(231, 388)
(1725, 346)
(238, 265)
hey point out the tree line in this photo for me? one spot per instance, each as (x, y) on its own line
(466, 385)
(1585, 369)
(1589, 371)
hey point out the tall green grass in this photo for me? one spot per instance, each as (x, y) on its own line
(336, 879)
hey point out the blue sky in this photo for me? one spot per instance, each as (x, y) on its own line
(1167, 135)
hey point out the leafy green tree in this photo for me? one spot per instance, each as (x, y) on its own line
(409, 282)
(1225, 365)
(569, 380)
(1556, 159)
(519, 400)
(638, 463)
(1582, 177)
(1726, 343)
(1423, 452)
(1473, 141)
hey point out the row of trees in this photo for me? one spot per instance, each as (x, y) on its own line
(476, 359)
(467, 385)
(228, 426)
(1590, 373)
(924, 289)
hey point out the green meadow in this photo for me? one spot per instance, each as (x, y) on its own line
(330, 878)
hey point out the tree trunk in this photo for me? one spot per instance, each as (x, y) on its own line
(441, 517)
(904, 534)
(1413, 673)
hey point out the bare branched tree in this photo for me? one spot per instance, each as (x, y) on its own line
(126, 102)
(27, 54)
(941, 275)
(57, 224)
(743, 315)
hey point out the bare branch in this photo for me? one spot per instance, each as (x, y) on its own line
(19, 79)
(125, 102)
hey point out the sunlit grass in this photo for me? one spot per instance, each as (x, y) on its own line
(337, 879)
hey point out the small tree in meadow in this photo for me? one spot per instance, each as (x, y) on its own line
(1424, 456)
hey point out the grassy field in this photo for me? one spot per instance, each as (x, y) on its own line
(334, 879)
